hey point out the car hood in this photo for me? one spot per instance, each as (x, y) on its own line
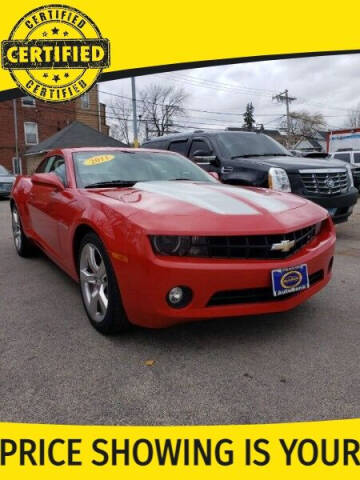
(210, 208)
(293, 164)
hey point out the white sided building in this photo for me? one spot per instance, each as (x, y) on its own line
(342, 140)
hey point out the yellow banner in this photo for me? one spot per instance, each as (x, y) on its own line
(301, 450)
(162, 33)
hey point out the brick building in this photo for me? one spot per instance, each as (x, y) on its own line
(38, 120)
(90, 111)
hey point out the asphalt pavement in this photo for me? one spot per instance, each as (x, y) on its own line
(294, 366)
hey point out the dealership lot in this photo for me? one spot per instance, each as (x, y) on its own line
(55, 368)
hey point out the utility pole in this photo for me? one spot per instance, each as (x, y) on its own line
(17, 161)
(284, 98)
(133, 89)
(166, 125)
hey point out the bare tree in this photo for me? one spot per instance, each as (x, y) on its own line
(160, 106)
(353, 119)
(305, 124)
(120, 111)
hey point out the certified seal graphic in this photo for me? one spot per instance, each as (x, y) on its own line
(55, 53)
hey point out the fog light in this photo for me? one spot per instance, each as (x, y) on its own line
(179, 297)
(176, 294)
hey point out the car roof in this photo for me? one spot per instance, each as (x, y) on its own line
(173, 136)
(184, 135)
(109, 149)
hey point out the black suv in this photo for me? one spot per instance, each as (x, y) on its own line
(254, 159)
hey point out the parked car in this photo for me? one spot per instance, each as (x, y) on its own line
(353, 158)
(6, 182)
(249, 158)
(154, 240)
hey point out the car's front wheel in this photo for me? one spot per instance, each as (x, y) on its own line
(23, 245)
(99, 289)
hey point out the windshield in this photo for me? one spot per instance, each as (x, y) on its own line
(240, 144)
(3, 171)
(95, 167)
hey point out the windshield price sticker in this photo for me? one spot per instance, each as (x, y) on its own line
(98, 159)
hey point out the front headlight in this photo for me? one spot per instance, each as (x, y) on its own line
(179, 245)
(171, 244)
(351, 178)
(279, 180)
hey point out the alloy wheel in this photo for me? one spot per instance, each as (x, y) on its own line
(94, 282)
(16, 228)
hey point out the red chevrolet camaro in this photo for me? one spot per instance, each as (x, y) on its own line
(154, 240)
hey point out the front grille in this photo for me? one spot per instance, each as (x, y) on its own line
(325, 182)
(5, 187)
(259, 246)
(255, 295)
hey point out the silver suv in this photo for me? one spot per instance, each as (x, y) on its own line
(352, 157)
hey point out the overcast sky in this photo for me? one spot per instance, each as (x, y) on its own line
(329, 85)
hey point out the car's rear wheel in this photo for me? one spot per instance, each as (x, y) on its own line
(99, 288)
(24, 247)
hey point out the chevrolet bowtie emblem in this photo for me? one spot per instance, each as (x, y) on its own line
(283, 246)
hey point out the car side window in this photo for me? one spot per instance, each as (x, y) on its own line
(345, 157)
(44, 165)
(199, 145)
(59, 168)
(357, 157)
(179, 146)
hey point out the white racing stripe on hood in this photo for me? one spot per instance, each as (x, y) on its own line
(262, 200)
(207, 198)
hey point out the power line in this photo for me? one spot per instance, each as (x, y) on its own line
(164, 104)
(233, 90)
(222, 85)
(94, 113)
(243, 89)
(191, 123)
(184, 108)
(194, 81)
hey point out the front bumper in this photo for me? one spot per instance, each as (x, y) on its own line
(343, 204)
(144, 283)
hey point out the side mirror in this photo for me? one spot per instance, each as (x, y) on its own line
(201, 153)
(204, 158)
(215, 175)
(47, 180)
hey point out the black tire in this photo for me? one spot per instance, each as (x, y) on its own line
(23, 246)
(113, 319)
